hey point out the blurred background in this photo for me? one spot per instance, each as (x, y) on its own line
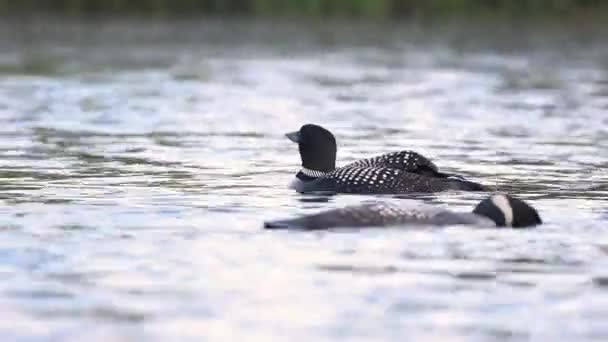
(316, 8)
(142, 147)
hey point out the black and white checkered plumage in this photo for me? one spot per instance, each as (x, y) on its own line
(499, 210)
(391, 173)
(409, 161)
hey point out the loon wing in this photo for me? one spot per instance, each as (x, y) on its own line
(378, 214)
(384, 180)
(413, 162)
(408, 161)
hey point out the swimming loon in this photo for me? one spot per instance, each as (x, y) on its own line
(391, 173)
(499, 210)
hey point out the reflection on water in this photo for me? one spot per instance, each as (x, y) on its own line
(139, 159)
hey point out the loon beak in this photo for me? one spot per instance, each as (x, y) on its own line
(294, 136)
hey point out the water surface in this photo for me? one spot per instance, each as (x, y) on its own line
(139, 159)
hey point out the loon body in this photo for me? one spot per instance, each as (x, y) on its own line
(391, 173)
(499, 210)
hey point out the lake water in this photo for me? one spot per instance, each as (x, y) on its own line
(139, 159)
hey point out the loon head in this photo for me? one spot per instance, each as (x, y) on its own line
(506, 210)
(317, 149)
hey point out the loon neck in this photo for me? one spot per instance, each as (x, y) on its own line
(308, 173)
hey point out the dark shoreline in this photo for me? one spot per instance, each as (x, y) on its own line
(384, 9)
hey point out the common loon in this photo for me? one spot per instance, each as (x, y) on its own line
(391, 173)
(499, 210)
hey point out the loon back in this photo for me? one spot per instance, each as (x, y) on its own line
(409, 161)
(498, 210)
(379, 214)
(381, 180)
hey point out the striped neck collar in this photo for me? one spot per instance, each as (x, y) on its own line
(312, 173)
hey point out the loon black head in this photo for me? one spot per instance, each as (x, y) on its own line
(506, 210)
(317, 148)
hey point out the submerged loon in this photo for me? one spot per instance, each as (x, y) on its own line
(499, 210)
(391, 173)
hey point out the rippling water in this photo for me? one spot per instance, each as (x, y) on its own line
(139, 159)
